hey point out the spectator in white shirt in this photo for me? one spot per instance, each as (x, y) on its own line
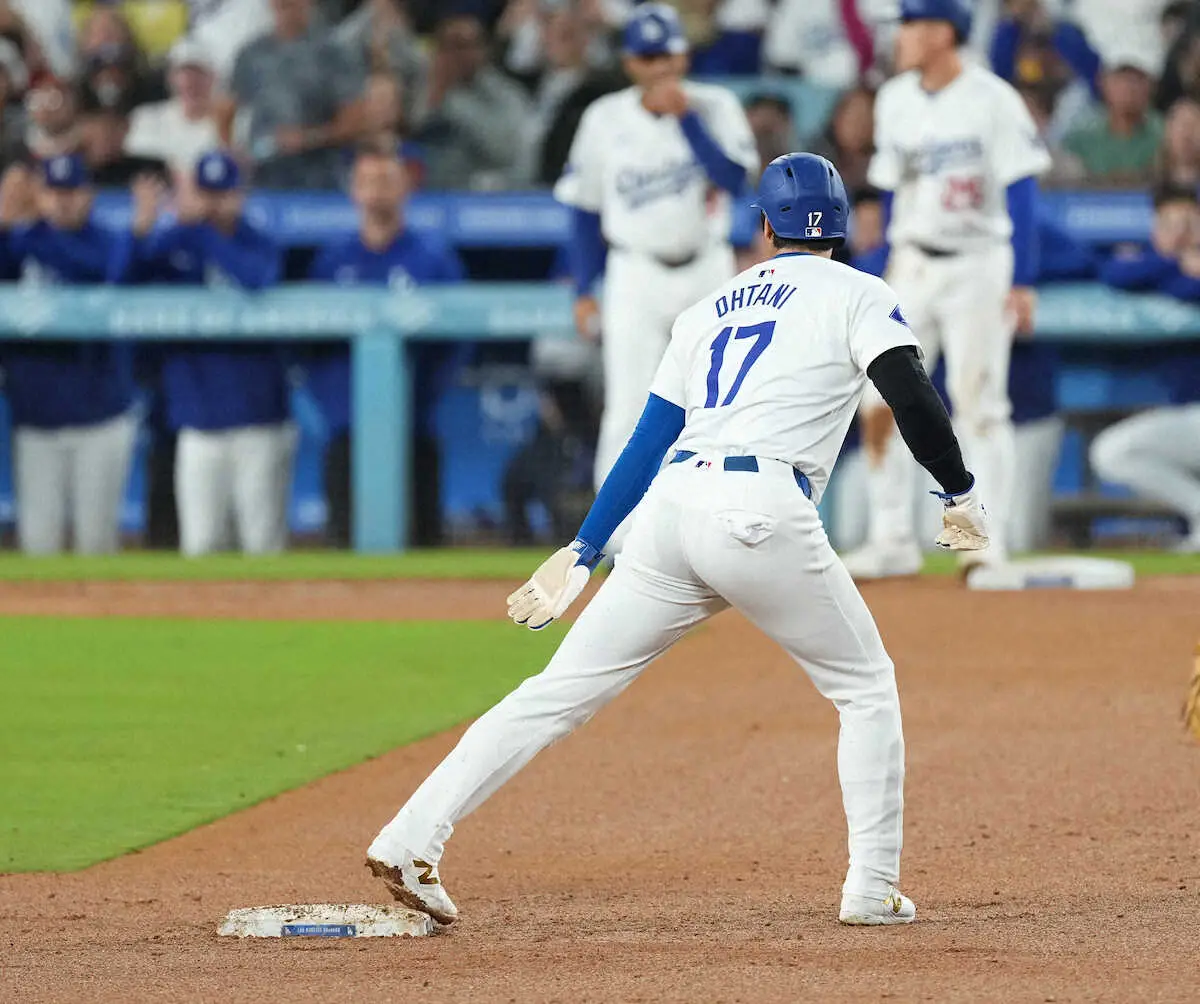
(225, 27)
(182, 129)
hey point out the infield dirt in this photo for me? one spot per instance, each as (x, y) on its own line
(688, 844)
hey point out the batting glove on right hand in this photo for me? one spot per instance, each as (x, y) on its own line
(554, 586)
(964, 521)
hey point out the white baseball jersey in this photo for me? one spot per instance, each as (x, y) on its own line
(638, 172)
(774, 362)
(949, 156)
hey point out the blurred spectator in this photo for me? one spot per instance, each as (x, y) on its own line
(527, 36)
(102, 137)
(826, 41)
(1179, 159)
(867, 246)
(22, 23)
(13, 122)
(71, 404)
(53, 118)
(296, 97)
(1065, 168)
(770, 118)
(181, 129)
(385, 252)
(115, 74)
(1119, 145)
(380, 35)
(849, 139)
(225, 27)
(1181, 72)
(1033, 49)
(229, 402)
(52, 34)
(736, 48)
(471, 115)
(1122, 28)
(1171, 262)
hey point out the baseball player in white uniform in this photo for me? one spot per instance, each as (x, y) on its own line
(756, 392)
(957, 155)
(650, 174)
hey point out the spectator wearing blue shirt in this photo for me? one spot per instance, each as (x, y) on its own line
(71, 403)
(385, 252)
(1170, 263)
(230, 402)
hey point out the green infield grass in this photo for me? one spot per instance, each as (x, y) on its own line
(448, 563)
(118, 733)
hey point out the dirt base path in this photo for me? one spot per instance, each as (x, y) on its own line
(688, 844)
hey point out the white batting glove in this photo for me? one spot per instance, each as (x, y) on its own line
(964, 521)
(554, 586)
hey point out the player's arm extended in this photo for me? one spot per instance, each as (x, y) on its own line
(925, 427)
(561, 578)
(722, 170)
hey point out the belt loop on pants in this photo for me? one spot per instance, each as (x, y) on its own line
(749, 465)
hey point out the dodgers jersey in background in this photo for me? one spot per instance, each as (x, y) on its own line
(774, 362)
(638, 172)
(950, 155)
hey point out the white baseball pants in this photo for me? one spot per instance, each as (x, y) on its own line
(702, 540)
(1157, 454)
(642, 298)
(955, 305)
(74, 476)
(235, 476)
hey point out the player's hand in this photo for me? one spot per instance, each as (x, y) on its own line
(554, 587)
(587, 318)
(148, 194)
(1021, 306)
(665, 97)
(964, 522)
(1189, 263)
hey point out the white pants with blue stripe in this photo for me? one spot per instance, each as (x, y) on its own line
(702, 540)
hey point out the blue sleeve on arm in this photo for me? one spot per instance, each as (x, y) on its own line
(1073, 46)
(1022, 208)
(1146, 271)
(586, 250)
(724, 172)
(1182, 287)
(1003, 52)
(660, 425)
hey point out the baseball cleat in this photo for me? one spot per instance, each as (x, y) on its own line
(884, 561)
(868, 911)
(417, 885)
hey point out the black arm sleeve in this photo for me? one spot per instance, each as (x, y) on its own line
(920, 416)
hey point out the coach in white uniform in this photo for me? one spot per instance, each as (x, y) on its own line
(756, 391)
(650, 173)
(959, 154)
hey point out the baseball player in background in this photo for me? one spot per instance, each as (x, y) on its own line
(650, 173)
(230, 401)
(756, 391)
(72, 404)
(957, 155)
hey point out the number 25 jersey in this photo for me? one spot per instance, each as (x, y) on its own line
(774, 362)
(950, 155)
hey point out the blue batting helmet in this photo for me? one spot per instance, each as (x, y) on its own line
(654, 29)
(804, 198)
(957, 12)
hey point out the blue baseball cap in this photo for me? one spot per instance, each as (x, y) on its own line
(217, 172)
(66, 171)
(654, 29)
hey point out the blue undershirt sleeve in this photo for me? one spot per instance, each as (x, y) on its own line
(1022, 208)
(1005, 43)
(1182, 287)
(724, 172)
(1072, 44)
(659, 427)
(1146, 271)
(585, 252)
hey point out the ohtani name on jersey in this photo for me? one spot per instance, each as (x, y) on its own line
(758, 294)
(637, 186)
(934, 156)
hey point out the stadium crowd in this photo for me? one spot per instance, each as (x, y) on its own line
(187, 103)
